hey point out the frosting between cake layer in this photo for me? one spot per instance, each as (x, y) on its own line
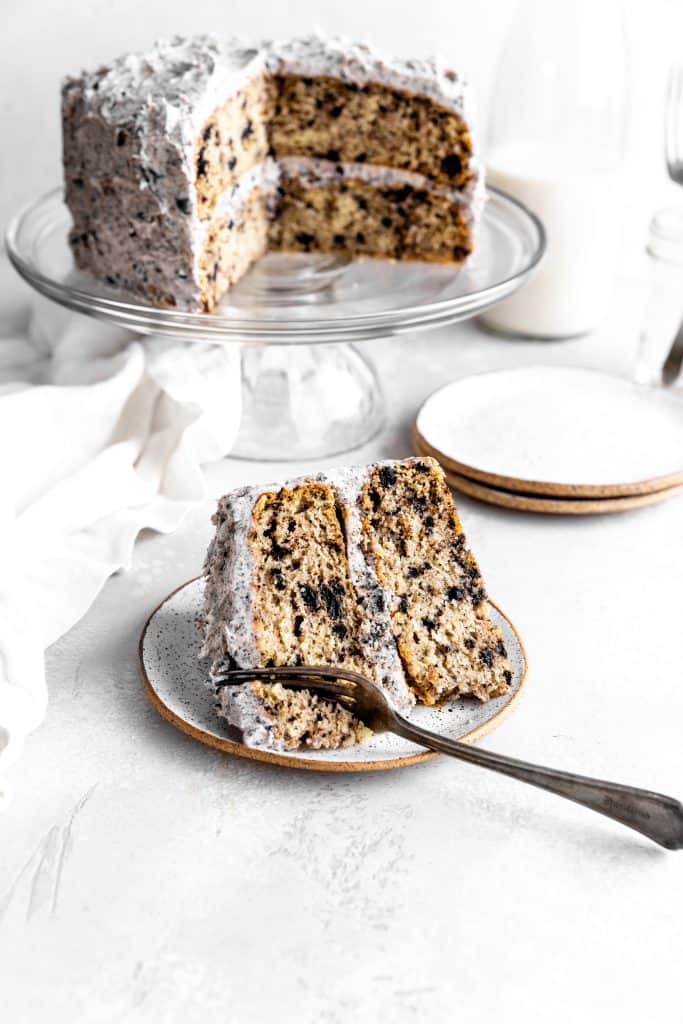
(313, 171)
(264, 176)
(380, 647)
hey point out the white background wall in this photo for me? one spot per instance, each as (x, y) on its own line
(42, 40)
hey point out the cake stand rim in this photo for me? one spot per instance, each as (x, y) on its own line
(210, 328)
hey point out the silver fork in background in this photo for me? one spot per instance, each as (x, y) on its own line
(656, 816)
(673, 125)
(673, 150)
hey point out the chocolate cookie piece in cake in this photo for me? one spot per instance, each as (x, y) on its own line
(366, 568)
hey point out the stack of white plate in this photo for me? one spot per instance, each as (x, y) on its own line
(556, 440)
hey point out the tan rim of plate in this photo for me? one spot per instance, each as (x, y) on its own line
(285, 760)
(551, 506)
(545, 489)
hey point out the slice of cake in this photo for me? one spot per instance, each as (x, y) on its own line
(184, 164)
(364, 568)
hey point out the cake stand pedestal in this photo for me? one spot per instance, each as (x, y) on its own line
(306, 402)
(307, 389)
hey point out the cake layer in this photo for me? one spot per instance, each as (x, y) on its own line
(365, 210)
(231, 246)
(365, 568)
(447, 643)
(344, 122)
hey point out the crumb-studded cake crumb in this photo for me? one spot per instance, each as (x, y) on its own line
(343, 122)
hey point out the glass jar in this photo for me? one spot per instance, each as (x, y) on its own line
(556, 142)
(664, 306)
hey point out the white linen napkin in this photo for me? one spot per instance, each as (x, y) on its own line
(102, 433)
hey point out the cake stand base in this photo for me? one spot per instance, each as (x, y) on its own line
(306, 402)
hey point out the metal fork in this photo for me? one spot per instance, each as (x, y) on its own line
(654, 815)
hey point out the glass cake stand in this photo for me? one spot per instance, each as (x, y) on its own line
(307, 391)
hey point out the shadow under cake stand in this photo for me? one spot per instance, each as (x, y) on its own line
(307, 389)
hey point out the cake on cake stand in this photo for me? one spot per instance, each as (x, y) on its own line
(308, 391)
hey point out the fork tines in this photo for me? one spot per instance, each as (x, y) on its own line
(335, 682)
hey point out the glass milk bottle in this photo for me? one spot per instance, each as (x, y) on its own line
(556, 142)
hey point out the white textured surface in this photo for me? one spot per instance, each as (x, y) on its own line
(137, 868)
(557, 425)
(144, 877)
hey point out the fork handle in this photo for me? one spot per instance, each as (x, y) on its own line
(657, 816)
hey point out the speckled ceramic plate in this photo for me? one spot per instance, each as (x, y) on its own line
(557, 431)
(177, 682)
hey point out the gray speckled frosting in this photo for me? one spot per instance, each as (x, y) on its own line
(176, 84)
(227, 619)
(318, 54)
